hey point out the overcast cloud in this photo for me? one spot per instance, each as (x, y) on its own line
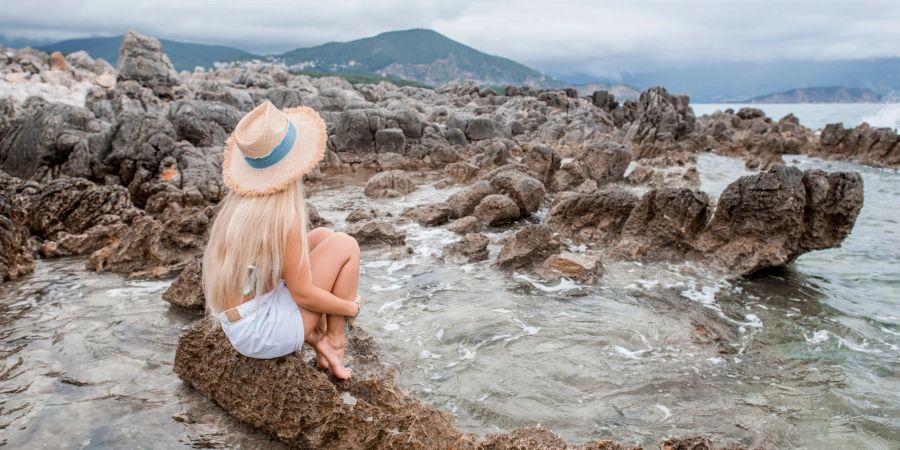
(558, 37)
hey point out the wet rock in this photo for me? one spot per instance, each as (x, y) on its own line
(187, 289)
(463, 203)
(663, 224)
(533, 243)
(868, 145)
(315, 219)
(46, 140)
(465, 225)
(303, 406)
(597, 217)
(579, 267)
(497, 209)
(141, 58)
(526, 191)
(606, 162)
(750, 134)
(393, 183)
(361, 214)
(471, 248)
(535, 437)
(431, 214)
(16, 258)
(375, 232)
(203, 123)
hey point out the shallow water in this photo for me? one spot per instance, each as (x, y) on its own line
(812, 351)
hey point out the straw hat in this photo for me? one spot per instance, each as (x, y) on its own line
(269, 149)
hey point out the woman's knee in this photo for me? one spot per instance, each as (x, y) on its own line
(348, 242)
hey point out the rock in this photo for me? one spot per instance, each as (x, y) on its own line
(187, 290)
(868, 145)
(497, 209)
(358, 215)
(535, 437)
(430, 215)
(203, 123)
(390, 140)
(58, 62)
(663, 224)
(314, 218)
(480, 128)
(393, 183)
(606, 162)
(16, 258)
(530, 244)
(541, 162)
(661, 123)
(355, 130)
(472, 248)
(597, 217)
(141, 58)
(579, 267)
(465, 225)
(604, 100)
(456, 136)
(375, 232)
(302, 406)
(526, 191)
(463, 203)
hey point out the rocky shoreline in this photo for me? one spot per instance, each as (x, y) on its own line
(131, 179)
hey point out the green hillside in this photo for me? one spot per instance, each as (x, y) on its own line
(184, 55)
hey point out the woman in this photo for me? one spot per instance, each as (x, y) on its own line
(271, 284)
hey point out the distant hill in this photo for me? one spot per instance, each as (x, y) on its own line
(729, 82)
(184, 55)
(422, 55)
(830, 94)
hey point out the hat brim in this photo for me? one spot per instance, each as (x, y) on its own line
(308, 150)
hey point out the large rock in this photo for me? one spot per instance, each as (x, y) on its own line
(597, 217)
(530, 245)
(471, 248)
(606, 162)
(868, 145)
(664, 223)
(480, 128)
(141, 58)
(430, 214)
(497, 209)
(392, 183)
(661, 122)
(462, 203)
(376, 232)
(203, 123)
(15, 256)
(579, 267)
(526, 191)
(187, 289)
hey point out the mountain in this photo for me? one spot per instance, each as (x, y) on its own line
(422, 55)
(724, 82)
(830, 94)
(184, 55)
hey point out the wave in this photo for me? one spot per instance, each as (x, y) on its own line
(889, 116)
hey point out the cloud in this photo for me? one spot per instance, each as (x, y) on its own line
(560, 37)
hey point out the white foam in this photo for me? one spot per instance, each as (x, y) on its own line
(889, 116)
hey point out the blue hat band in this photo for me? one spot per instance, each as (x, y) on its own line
(278, 153)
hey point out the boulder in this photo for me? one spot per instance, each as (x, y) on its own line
(376, 232)
(596, 217)
(187, 289)
(471, 248)
(606, 162)
(393, 183)
(868, 145)
(141, 59)
(431, 214)
(358, 215)
(481, 127)
(203, 123)
(661, 122)
(390, 140)
(579, 267)
(465, 225)
(497, 209)
(526, 191)
(463, 203)
(663, 225)
(16, 258)
(531, 244)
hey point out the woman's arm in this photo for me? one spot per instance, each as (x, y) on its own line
(299, 281)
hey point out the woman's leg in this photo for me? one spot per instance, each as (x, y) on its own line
(334, 264)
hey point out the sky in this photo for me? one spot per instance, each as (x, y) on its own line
(600, 38)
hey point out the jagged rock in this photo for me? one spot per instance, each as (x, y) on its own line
(358, 215)
(141, 58)
(480, 128)
(187, 290)
(465, 225)
(541, 162)
(430, 215)
(604, 100)
(393, 183)
(597, 217)
(203, 123)
(471, 248)
(749, 133)
(374, 232)
(496, 209)
(16, 258)
(579, 267)
(526, 191)
(463, 203)
(606, 162)
(533, 243)
(390, 140)
(46, 140)
(661, 121)
(663, 224)
(868, 145)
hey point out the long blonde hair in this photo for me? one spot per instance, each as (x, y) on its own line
(251, 230)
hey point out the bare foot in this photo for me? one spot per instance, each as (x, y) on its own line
(314, 340)
(333, 352)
